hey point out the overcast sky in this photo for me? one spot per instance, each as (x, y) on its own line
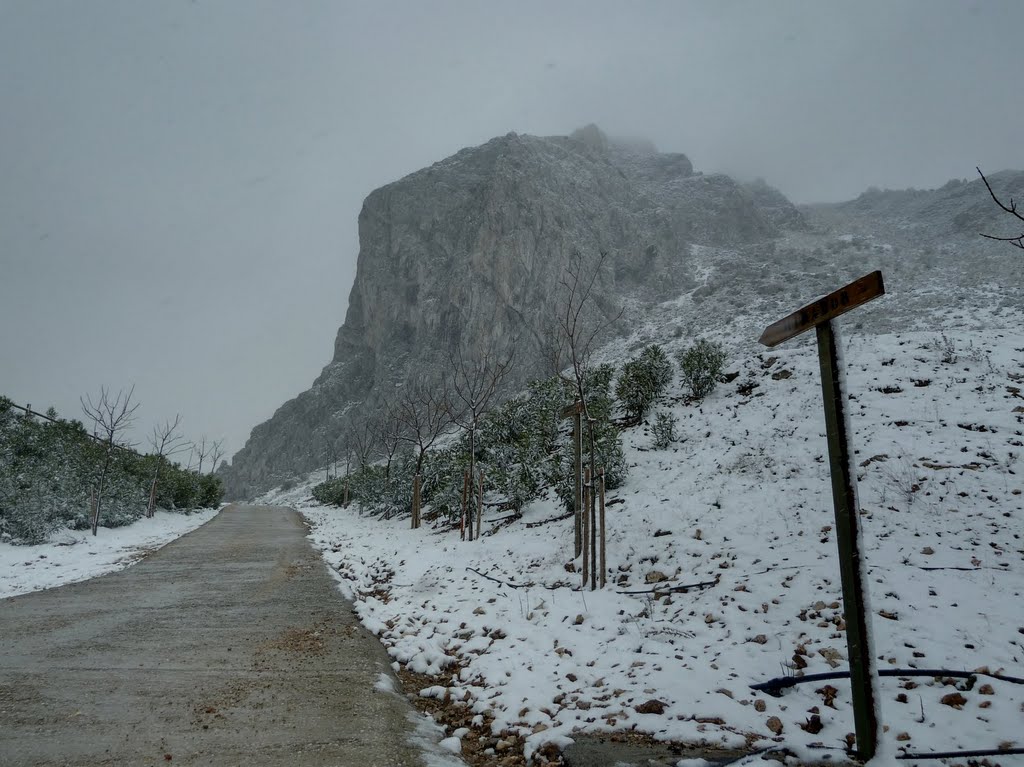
(179, 181)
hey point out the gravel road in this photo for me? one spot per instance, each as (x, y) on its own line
(229, 646)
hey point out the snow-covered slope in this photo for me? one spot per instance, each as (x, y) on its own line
(743, 501)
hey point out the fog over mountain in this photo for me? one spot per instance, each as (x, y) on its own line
(471, 255)
(180, 182)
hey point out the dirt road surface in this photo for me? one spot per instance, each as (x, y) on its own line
(229, 646)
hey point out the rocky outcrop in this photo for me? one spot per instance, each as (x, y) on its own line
(471, 252)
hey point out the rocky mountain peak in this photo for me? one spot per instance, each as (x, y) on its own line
(470, 252)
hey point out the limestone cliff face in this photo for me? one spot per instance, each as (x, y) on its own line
(471, 251)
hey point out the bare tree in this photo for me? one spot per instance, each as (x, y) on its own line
(1011, 208)
(580, 325)
(386, 431)
(361, 435)
(111, 417)
(477, 377)
(216, 453)
(165, 441)
(202, 450)
(423, 413)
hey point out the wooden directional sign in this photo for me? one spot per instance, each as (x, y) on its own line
(834, 304)
(570, 410)
(819, 315)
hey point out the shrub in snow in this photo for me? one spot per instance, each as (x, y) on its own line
(701, 366)
(664, 430)
(643, 380)
(48, 469)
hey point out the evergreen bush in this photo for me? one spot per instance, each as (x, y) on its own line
(701, 366)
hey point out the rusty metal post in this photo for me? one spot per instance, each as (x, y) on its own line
(844, 497)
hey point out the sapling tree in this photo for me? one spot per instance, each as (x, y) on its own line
(202, 450)
(165, 441)
(581, 324)
(359, 435)
(477, 376)
(216, 453)
(423, 412)
(111, 418)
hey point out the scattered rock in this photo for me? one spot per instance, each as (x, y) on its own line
(774, 724)
(650, 707)
(655, 576)
(986, 689)
(813, 725)
(828, 694)
(832, 656)
(954, 699)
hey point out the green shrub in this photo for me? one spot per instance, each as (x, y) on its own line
(664, 430)
(48, 470)
(701, 366)
(643, 380)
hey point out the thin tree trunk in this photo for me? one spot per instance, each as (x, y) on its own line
(480, 506)
(416, 501)
(152, 498)
(99, 498)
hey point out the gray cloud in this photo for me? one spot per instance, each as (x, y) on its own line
(179, 181)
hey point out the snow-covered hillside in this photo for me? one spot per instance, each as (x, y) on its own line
(742, 501)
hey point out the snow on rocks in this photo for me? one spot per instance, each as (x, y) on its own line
(742, 503)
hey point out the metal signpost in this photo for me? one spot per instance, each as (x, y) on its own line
(819, 315)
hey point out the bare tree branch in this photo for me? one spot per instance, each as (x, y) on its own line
(361, 439)
(1011, 208)
(111, 417)
(216, 453)
(201, 450)
(423, 413)
(165, 442)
